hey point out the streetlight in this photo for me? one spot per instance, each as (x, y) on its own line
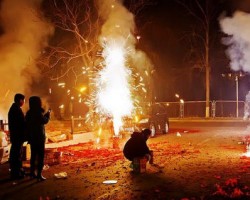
(237, 95)
(138, 37)
(236, 77)
(181, 105)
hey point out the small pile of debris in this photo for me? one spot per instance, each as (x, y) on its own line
(58, 136)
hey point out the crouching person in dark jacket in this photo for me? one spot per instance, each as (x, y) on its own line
(136, 146)
(35, 121)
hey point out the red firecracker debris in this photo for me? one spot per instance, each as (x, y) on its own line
(231, 189)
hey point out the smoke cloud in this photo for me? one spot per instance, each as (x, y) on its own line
(238, 40)
(119, 22)
(25, 34)
(119, 25)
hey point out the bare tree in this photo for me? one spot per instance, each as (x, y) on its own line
(205, 13)
(74, 53)
(75, 44)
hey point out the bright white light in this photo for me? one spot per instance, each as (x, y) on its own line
(247, 154)
(113, 95)
(61, 85)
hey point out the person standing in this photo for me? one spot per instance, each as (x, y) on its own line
(16, 123)
(35, 121)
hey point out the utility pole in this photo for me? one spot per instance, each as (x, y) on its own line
(237, 95)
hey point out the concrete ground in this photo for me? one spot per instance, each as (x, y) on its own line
(196, 160)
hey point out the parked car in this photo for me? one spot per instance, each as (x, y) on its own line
(4, 147)
(157, 121)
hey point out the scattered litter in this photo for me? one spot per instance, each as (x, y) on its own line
(78, 170)
(110, 182)
(217, 176)
(152, 169)
(61, 175)
(52, 157)
(178, 134)
(158, 166)
(68, 154)
(14, 183)
(45, 167)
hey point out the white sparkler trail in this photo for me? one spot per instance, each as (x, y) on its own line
(113, 95)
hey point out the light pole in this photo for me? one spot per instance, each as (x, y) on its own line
(181, 105)
(236, 77)
(237, 95)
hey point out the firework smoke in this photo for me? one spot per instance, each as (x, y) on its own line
(238, 40)
(24, 35)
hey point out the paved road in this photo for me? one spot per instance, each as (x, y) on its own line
(196, 160)
(208, 123)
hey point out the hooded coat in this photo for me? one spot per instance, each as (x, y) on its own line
(136, 146)
(35, 121)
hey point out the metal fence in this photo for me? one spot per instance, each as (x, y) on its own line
(197, 108)
(183, 109)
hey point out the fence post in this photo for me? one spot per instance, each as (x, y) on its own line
(72, 125)
(213, 108)
(1, 125)
(181, 109)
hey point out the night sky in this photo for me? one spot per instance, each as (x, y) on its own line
(165, 27)
(169, 35)
(167, 32)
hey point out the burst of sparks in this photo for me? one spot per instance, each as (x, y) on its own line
(113, 95)
(247, 154)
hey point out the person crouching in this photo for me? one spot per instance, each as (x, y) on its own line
(136, 146)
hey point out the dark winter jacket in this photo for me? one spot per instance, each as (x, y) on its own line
(35, 121)
(136, 146)
(16, 123)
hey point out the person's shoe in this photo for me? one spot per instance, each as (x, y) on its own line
(13, 176)
(21, 176)
(22, 172)
(41, 178)
(33, 175)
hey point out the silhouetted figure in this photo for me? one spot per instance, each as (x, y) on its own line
(35, 121)
(137, 147)
(16, 124)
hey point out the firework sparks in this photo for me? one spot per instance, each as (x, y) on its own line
(113, 95)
